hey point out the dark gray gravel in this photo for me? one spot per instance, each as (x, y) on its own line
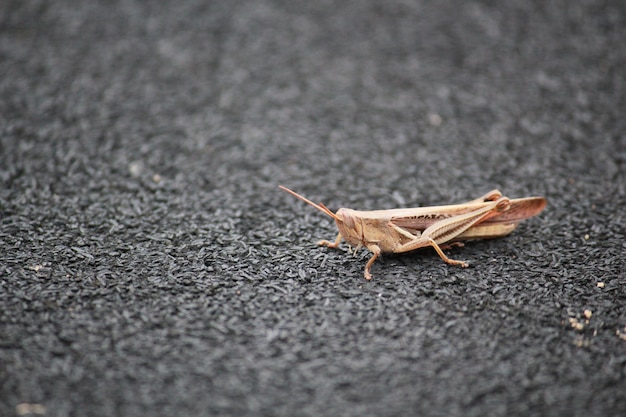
(150, 266)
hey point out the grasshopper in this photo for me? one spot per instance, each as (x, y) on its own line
(407, 229)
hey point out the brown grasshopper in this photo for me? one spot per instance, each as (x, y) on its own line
(407, 229)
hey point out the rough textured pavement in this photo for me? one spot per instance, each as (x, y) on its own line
(150, 266)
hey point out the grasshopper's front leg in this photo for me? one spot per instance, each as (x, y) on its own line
(446, 230)
(330, 244)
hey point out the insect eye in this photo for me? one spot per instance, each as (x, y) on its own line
(348, 221)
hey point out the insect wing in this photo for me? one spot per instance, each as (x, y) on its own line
(521, 209)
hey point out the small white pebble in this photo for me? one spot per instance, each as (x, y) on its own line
(435, 119)
(135, 168)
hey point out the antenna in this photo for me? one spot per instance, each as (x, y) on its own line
(321, 207)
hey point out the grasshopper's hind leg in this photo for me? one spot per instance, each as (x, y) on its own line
(445, 257)
(447, 230)
(492, 195)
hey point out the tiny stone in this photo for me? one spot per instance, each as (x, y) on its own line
(435, 119)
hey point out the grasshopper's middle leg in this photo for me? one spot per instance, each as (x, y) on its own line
(376, 253)
(374, 248)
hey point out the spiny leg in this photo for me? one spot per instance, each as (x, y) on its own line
(330, 244)
(439, 248)
(446, 230)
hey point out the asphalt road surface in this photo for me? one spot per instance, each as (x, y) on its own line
(149, 265)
